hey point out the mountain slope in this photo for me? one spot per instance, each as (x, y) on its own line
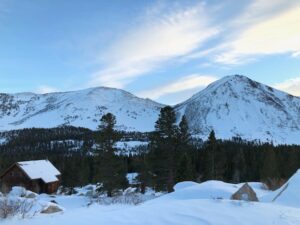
(239, 106)
(78, 108)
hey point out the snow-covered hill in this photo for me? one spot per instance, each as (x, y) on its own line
(239, 106)
(78, 108)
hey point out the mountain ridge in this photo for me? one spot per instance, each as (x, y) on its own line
(232, 106)
(77, 108)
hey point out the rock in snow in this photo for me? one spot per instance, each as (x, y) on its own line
(234, 106)
(51, 208)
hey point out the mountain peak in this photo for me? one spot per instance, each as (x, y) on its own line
(238, 106)
(235, 80)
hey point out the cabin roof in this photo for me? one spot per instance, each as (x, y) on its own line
(40, 169)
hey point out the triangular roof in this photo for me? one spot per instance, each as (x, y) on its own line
(39, 169)
(245, 193)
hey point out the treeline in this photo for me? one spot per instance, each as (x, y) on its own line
(171, 156)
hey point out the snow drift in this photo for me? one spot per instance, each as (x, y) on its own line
(288, 194)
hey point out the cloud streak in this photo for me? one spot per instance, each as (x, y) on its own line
(277, 34)
(162, 36)
(183, 84)
(291, 86)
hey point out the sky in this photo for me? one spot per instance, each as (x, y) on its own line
(160, 49)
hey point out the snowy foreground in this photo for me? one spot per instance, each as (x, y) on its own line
(191, 203)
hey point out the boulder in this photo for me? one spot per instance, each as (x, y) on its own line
(51, 209)
(30, 194)
(245, 193)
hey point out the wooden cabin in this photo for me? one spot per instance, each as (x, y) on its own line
(39, 176)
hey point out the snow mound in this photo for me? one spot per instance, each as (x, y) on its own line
(184, 184)
(288, 194)
(18, 191)
(206, 190)
(211, 190)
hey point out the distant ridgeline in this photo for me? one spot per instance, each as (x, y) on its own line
(72, 151)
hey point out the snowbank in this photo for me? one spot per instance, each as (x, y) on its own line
(210, 190)
(173, 212)
(191, 203)
(288, 194)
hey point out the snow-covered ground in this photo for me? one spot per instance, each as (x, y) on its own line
(127, 145)
(191, 203)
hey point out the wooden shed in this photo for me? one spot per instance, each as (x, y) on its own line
(39, 176)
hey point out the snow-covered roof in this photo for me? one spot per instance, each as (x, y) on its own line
(40, 169)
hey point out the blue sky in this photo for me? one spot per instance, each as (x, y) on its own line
(164, 50)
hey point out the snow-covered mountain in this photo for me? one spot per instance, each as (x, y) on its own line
(232, 106)
(239, 106)
(78, 108)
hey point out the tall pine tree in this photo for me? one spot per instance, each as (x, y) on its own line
(210, 151)
(111, 169)
(163, 145)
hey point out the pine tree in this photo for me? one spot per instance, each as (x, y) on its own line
(163, 143)
(107, 136)
(210, 168)
(184, 135)
(166, 123)
(111, 169)
(185, 170)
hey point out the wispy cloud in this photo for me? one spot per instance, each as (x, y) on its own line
(278, 33)
(166, 33)
(291, 86)
(183, 84)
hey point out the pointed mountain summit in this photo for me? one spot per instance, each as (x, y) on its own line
(82, 108)
(238, 106)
